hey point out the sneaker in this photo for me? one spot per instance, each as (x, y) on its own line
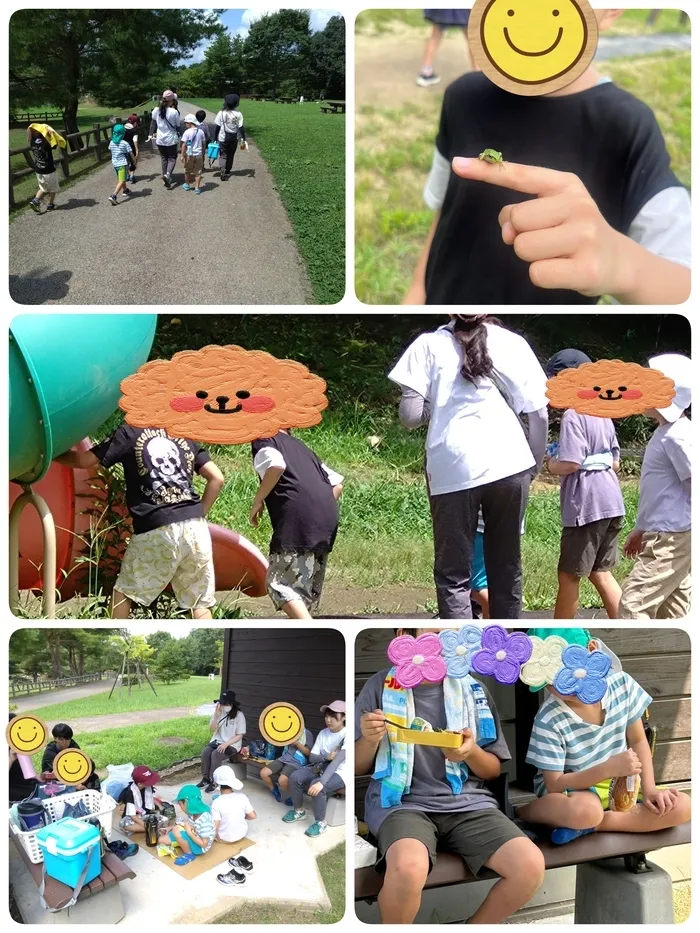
(131, 179)
(291, 816)
(50, 207)
(223, 176)
(186, 187)
(113, 200)
(131, 849)
(197, 190)
(125, 192)
(210, 788)
(35, 205)
(202, 783)
(276, 794)
(427, 80)
(563, 834)
(316, 829)
(231, 877)
(289, 802)
(241, 863)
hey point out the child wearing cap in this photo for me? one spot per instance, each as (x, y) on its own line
(659, 585)
(579, 747)
(293, 757)
(231, 811)
(592, 509)
(46, 175)
(301, 494)
(121, 154)
(228, 723)
(196, 834)
(325, 774)
(193, 143)
(139, 799)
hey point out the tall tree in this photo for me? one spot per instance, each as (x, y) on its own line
(275, 47)
(203, 649)
(58, 56)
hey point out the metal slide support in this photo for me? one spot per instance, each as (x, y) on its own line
(29, 497)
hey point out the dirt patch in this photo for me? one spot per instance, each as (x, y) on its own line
(181, 772)
(172, 740)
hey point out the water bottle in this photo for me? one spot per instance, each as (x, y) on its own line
(189, 148)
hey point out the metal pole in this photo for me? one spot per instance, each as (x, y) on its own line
(29, 497)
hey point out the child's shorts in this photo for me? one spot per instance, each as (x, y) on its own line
(474, 834)
(196, 849)
(180, 554)
(479, 581)
(194, 164)
(122, 172)
(589, 548)
(296, 575)
(282, 767)
(48, 183)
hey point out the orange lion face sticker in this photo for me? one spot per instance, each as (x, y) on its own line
(223, 395)
(610, 389)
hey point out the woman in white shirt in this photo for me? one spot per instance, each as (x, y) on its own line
(228, 723)
(165, 123)
(229, 123)
(471, 381)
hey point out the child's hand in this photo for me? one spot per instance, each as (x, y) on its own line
(561, 233)
(256, 512)
(373, 727)
(633, 544)
(315, 789)
(625, 764)
(661, 801)
(464, 750)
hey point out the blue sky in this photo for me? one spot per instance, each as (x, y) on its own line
(238, 22)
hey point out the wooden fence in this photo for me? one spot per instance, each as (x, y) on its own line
(101, 134)
(34, 116)
(38, 686)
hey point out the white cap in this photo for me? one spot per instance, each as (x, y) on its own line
(675, 367)
(226, 775)
(190, 118)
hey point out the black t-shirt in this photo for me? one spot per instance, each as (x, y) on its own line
(43, 156)
(604, 135)
(92, 782)
(127, 797)
(19, 787)
(158, 470)
(302, 507)
(129, 137)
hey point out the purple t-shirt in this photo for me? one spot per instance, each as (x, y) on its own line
(587, 495)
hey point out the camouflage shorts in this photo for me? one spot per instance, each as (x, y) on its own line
(296, 575)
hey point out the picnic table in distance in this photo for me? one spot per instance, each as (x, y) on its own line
(333, 106)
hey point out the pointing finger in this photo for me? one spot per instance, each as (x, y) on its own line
(529, 179)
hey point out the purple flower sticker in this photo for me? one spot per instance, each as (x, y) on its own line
(584, 674)
(417, 660)
(502, 654)
(458, 649)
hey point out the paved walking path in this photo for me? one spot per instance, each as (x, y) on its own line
(233, 244)
(627, 46)
(60, 695)
(119, 720)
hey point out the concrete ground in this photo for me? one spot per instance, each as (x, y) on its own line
(233, 244)
(60, 695)
(285, 872)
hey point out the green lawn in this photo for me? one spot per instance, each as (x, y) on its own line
(192, 692)
(394, 150)
(332, 868)
(305, 152)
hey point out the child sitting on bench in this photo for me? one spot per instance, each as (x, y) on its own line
(579, 747)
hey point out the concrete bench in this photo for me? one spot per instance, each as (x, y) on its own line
(107, 908)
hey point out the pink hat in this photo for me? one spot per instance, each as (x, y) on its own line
(168, 95)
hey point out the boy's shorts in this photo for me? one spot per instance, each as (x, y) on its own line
(48, 183)
(659, 586)
(588, 548)
(282, 767)
(474, 834)
(194, 164)
(479, 581)
(195, 847)
(180, 554)
(296, 575)
(122, 172)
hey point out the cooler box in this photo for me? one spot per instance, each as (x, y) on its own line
(66, 846)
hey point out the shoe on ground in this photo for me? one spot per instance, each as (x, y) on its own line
(113, 200)
(131, 179)
(35, 205)
(125, 192)
(166, 180)
(50, 207)
(289, 802)
(424, 80)
(231, 877)
(197, 190)
(293, 816)
(316, 829)
(210, 788)
(129, 849)
(202, 783)
(185, 859)
(186, 187)
(563, 834)
(276, 793)
(241, 863)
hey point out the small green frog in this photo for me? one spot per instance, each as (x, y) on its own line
(493, 157)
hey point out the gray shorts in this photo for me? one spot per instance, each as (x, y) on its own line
(296, 575)
(474, 834)
(586, 549)
(281, 767)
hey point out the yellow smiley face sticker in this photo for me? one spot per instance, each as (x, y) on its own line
(281, 723)
(71, 766)
(26, 735)
(533, 47)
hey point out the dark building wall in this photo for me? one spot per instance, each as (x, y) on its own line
(305, 667)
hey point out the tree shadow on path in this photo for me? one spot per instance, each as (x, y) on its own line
(39, 286)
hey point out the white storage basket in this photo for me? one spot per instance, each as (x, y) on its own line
(99, 805)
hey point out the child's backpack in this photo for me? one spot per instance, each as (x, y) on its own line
(212, 153)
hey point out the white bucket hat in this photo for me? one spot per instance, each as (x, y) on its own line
(675, 367)
(226, 775)
(190, 118)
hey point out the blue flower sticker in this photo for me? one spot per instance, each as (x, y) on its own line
(584, 674)
(458, 649)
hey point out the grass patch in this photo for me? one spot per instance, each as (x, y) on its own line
(192, 692)
(332, 868)
(140, 743)
(305, 152)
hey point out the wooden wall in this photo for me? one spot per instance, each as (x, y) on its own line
(264, 665)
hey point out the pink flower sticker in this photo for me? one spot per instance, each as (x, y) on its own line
(417, 660)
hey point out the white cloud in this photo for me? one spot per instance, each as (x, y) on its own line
(318, 19)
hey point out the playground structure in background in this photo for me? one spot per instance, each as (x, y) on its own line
(65, 372)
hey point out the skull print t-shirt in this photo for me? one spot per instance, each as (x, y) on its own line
(158, 471)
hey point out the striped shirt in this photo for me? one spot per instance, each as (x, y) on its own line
(119, 153)
(561, 741)
(204, 826)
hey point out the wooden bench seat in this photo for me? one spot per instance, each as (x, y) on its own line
(451, 869)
